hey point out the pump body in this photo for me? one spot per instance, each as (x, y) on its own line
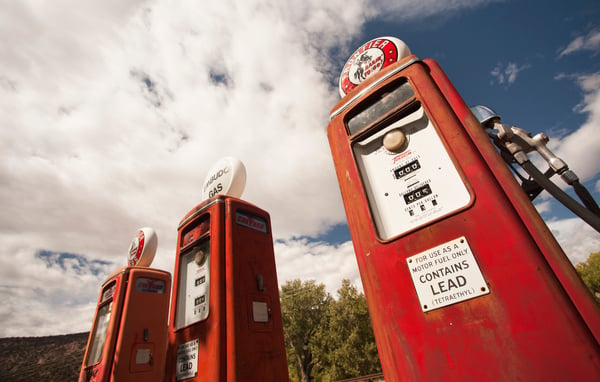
(226, 322)
(463, 279)
(128, 339)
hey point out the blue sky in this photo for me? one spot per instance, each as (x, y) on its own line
(113, 111)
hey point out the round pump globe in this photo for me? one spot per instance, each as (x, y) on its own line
(142, 248)
(370, 59)
(226, 177)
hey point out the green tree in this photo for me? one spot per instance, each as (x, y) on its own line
(327, 339)
(350, 346)
(304, 307)
(589, 271)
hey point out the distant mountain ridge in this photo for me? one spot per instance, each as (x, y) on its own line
(49, 359)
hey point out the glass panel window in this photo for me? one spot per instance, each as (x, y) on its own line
(101, 328)
(384, 101)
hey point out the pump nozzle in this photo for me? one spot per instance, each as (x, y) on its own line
(485, 115)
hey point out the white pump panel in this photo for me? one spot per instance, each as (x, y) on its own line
(412, 187)
(194, 285)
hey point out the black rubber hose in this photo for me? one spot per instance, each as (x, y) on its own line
(588, 216)
(586, 197)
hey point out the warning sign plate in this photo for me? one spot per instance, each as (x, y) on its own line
(187, 360)
(446, 274)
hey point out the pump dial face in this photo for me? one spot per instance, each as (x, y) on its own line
(194, 285)
(411, 186)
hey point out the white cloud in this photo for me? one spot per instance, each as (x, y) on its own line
(577, 238)
(543, 206)
(581, 149)
(506, 74)
(111, 121)
(41, 297)
(590, 42)
(322, 262)
(113, 111)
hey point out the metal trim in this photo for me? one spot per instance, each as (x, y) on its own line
(198, 212)
(125, 270)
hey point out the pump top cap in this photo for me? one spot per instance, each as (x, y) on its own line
(369, 59)
(226, 177)
(142, 248)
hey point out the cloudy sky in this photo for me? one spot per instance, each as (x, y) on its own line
(112, 112)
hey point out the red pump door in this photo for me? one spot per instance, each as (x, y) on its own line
(462, 277)
(225, 320)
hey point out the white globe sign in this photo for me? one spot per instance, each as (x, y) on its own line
(226, 177)
(142, 248)
(369, 59)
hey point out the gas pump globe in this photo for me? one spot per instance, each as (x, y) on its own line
(368, 60)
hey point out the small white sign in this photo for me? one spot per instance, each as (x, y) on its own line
(187, 360)
(446, 274)
(251, 221)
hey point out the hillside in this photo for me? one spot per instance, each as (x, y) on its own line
(52, 358)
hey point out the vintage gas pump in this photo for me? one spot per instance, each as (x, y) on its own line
(128, 339)
(226, 322)
(463, 279)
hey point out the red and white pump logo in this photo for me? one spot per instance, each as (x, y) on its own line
(370, 59)
(142, 248)
(136, 248)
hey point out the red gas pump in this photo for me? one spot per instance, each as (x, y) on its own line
(226, 322)
(463, 279)
(128, 339)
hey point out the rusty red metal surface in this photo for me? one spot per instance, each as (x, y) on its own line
(538, 321)
(135, 343)
(236, 341)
